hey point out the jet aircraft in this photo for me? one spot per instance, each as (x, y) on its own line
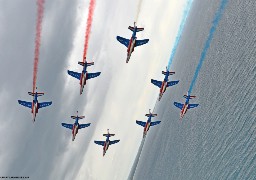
(133, 42)
(148, 124)
(164, 84)
(107, 142)
(34, 105)
(84, 75)
(74, 127)
(186, 106)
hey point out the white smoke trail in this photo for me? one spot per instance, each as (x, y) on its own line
(136, 161)
(138, 10)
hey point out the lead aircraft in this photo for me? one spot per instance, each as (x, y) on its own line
(34, 105)
(107, 142)
(133, 42)
(164, 84)
(74, 127)
(184, 107)
(84, 75)
(148, 124)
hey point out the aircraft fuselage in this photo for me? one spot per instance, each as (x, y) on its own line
(130, 48)
(183, 110)
(82, 81)
(34, 109)
(146, 128)
(74, 131)
(162, 89)
(105, 147)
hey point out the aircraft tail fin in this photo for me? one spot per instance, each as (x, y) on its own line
(169, 73)
(33, 94)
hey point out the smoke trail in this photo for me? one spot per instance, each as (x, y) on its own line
(181, 27)
(40, 10)
(208, 41)
(136, 161)
(88, 27)
(138, 10)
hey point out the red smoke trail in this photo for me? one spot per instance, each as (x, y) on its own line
(88, 27)
(40, 10)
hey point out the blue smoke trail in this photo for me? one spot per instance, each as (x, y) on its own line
(208, 41)
(181, 27)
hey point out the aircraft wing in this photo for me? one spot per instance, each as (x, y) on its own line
(141, 42)
(154, 123)
(101, 143)
(172, 83)
(93, 75)
(83, 125)
(141, 123)
(178, 105)
(69, 126)
(44, 104)
(75, 74)
(113, 142)
(123, 40)
(156, 83)
(26, 104)
(190, 106)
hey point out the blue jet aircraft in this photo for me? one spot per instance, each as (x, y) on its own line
(74, 127)
(107, 142)
(133, 42)
(34, 105)
(84, 75)
(186, 106)
(164, 84)
(148, 124)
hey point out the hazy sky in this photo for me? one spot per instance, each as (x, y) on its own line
(114, 100)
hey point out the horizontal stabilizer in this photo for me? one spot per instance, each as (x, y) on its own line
(131, 28)
(190, 106)
(172, 83)
(178, 105)
(141, 123)
(79, 117)
(90, 64)
(44, 104)
(141, 42)
(155, 123)
(139, 29)
(189, 96)
(26, 104)
(81, 63)
(33, 94)
(113, 142)
(152, 115)
(108, 135)
(169, 73)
